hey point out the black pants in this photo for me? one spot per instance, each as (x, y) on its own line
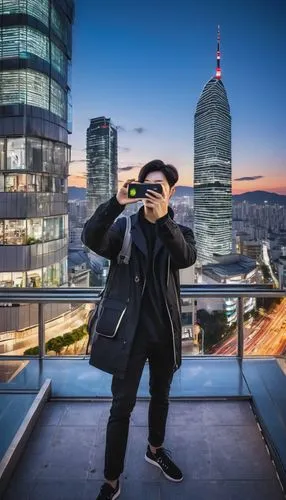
(161, 362)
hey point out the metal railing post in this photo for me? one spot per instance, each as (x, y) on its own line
(240, 331)
(41, 331)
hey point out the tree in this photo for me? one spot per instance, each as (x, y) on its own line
(215, 326)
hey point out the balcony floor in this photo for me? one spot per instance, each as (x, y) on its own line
(216, 443)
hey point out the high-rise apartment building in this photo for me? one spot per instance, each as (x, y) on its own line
(35, 120)
(212, 170)
(102, 162)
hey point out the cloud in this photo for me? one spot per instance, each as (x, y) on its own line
(124, 150)
(120, 128)
(139, 130)
(253, 178)
(130, 167)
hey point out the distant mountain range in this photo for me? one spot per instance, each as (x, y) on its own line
(259, 197)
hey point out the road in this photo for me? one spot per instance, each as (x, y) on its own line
(266, 336)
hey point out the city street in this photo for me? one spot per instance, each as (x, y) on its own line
(266, 336)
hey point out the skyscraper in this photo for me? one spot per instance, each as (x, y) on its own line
(35, 119)
(212, 170)
(102, 163)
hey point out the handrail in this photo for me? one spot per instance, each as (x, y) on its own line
(85, 295)
(41, 296)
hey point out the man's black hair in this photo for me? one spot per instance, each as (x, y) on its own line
(169, 171)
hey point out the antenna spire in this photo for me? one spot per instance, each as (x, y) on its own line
(218, 68)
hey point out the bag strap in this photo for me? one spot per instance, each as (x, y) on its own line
(125, 252)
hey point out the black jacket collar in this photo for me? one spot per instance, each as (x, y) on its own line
(138, 236)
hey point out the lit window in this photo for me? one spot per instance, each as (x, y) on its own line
(59, 61)
(16, 183)
(34, 278)
(59, 25)
(16, 154)
(34, 231)
(21, 41)
(36, 8)
(33, 88)
(58, 100)
(1, 232)
(17, 279)
(2, 154)
(15, 232)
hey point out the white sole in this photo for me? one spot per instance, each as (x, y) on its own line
(150, 461)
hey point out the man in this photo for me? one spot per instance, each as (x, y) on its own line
(142, 302)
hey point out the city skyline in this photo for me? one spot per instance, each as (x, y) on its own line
(148, 75)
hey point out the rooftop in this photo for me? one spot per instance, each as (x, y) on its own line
(218, 445)
(239, 268)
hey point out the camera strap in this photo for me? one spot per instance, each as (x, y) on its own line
(125, 252)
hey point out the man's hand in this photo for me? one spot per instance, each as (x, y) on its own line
(157, 202)
(122, 195)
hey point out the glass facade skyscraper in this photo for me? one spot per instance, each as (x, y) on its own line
(35, 120)
(212, 171)
(102, 162)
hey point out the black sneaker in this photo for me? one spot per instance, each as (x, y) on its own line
(109, 493)
(162, 460)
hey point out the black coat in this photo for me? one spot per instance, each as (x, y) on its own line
(118, 311)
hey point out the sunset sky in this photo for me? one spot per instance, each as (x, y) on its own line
(144, 64)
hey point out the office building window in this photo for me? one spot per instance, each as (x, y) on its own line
(15, 183)
(17, 279)
(24, 87)
(34, 278)
(48, 150)
(70, 112)
(2, 154)
(37, 89)
(64, 271)
(15, 232)
(34, 231)
(52, 228)
(2, 183)
(59, 154)
(34, 183)
(33, 88)
(58, 25)
(58, 100)
(1, 232)
(34, 154)
(60, 185)
(46, 184)
(36, 8)
(16, 154)
(59, 60)
(22, 41)
(51, 275)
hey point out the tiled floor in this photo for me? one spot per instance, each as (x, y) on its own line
(217, 444)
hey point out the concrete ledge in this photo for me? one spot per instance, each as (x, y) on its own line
(16, 448)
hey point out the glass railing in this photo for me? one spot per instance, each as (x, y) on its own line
(223, 320)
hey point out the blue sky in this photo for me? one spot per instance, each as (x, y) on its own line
(144, 64)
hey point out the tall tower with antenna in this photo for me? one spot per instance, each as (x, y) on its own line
(212, 169)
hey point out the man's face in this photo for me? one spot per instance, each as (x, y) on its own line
(159, 177)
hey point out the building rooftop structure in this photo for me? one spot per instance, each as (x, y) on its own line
(230, 265)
